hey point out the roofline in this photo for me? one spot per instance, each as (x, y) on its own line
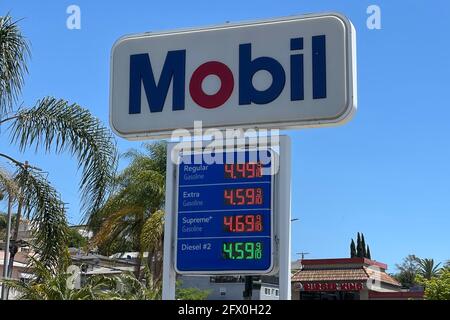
(310, 262)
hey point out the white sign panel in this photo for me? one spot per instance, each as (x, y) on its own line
(285, 73)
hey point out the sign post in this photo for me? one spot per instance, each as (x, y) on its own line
(169, 275)
(231, 217)
(284, 207)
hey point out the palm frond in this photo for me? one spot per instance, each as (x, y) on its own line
(49, 225)
(114, 225)
(33, 290)
(14, 52)
(24, 290)
(144, 189)
(54, 124)
(154, 159)
(8, 184)
(158, 152)
(118, 225)
(152, 232)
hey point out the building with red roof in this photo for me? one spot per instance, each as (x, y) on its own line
(346, 279)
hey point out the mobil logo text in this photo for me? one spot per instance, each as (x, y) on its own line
(239, 76)
(285, 73)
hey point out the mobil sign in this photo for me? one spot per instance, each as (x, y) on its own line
(284, 73)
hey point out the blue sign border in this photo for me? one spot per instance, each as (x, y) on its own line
(215, 270)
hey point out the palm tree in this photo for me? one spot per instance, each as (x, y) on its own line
(408, 270)
(132, 218)
(428, 269)
(53, 125)
(47, 285)
(9, 188)
(14, 51)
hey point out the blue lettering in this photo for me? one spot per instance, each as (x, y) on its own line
(297, 71)
(248, 68)
(319, 66)
(141, 73)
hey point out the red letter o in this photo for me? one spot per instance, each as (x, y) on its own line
(226, 85)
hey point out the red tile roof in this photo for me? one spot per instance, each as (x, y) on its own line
(382, 276)
(330, 275)
(343, 261)
(349, 274)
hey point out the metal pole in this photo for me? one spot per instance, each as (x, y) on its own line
(284, 205)
(169, 275)
(248, 288)
(6, 257)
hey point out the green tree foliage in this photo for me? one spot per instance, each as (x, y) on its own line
(368, 255)
(3, 225)
(190, 293)
(8, 191)
(14, 52)
(47, 285)
(133, 217)
(428, 269)
(437, 287)
(52, 125)
(352, 249)
(359, 247)
(75, 239)
(360, 250)
(49, 225)
(363, 246)
(408, 270)
(50, 286)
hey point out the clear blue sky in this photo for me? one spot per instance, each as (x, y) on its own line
(386, 173)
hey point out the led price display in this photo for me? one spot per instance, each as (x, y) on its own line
(243, 223)
(224, 214)
(243, 170)
(242, 250)
(243, 196)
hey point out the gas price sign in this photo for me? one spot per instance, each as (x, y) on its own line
(224, 214)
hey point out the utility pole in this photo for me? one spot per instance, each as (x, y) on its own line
(6, 257)
(9, 257)
(303, 254)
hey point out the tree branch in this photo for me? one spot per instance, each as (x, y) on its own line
(8, 119)
(23, 165)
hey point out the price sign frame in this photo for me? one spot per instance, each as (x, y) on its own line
(225, 267)
(281, 204)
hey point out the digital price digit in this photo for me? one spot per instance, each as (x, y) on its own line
(242, 197)
(242, 250)
(248, 170)
(243, 223)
